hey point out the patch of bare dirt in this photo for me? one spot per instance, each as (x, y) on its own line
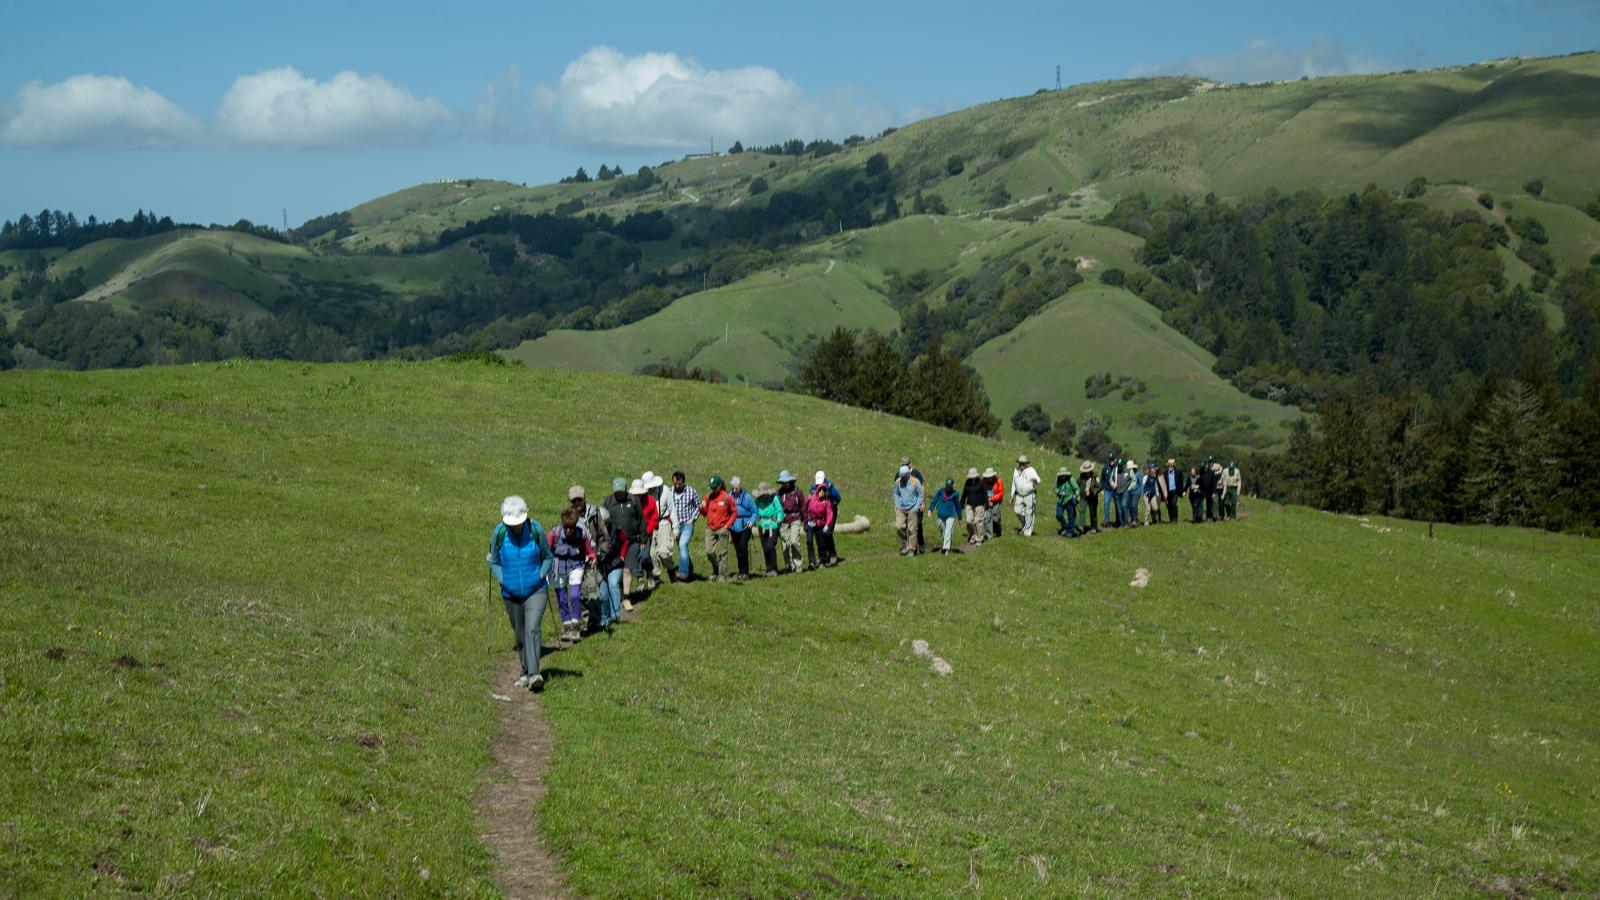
(506, 804)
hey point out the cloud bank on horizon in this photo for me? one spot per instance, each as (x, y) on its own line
(1264, 59)
(603, 99)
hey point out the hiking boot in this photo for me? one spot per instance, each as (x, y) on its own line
(522, 681)
(536, 683)
(627, 606)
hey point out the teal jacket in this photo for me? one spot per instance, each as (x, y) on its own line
(769, 513)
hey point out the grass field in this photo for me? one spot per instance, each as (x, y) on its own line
(748, 330)
(1096, 329)
(245, 647)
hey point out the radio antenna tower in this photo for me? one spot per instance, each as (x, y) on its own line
(1058, 78)
(286, 220)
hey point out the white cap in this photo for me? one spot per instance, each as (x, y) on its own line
(513, 511)
(821, 477)
(736, 482)
(575, 492)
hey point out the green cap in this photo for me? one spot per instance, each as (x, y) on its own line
(716, 482)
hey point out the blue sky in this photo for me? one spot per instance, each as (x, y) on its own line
(220, 111)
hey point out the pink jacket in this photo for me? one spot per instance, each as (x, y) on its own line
(818, 511)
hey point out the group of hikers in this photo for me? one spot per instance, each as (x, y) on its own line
(597, 557)
(1118, 494)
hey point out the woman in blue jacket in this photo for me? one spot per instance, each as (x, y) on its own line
(520, 563)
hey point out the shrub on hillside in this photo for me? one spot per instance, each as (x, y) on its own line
(1031, 420)
(1113, 277)
(1415, 188)
(1486, 200)
(1535, 187)
(758, 185)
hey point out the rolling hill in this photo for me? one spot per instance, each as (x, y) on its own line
(250, 640)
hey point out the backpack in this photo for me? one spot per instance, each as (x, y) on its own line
(501, 532)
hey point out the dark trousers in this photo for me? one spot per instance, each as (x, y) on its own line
(922, 545)
(1172, 508)
(741, 550)
(769, 549)
(819, 545)
(1197, 506)
(1211, 507)
(1092, 504)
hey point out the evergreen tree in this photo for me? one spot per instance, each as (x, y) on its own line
(1031, 420)
(891, 209)
(831, 368)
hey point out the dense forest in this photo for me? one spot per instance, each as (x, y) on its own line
(1440, 393)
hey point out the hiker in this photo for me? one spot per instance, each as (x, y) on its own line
(745, 505)
(1152, 496)
(1197, 494)
(1231, 483)
(572, 552)
(610, 551)
(1066, 503)
(1024, 494)
(908, 497)
(819, 518)
(625, 508)
(922, 545)
(769, 522)
(589, 523)
(1176, 485)
(997, 496)
(1210, 484)
(946, 504)
(1089, 490)
(520, 565)
(1121, 484)
(793, 503)
(683, 502)
(975, 507)
(720, 512)
(658, 529)
(1108, 490)
(815, 558)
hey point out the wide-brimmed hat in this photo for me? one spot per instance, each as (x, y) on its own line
(575, 492)
(990, 473)
(763, 489)
(651, 480)
(821, 476)
(1023, 459)
(785, 477)
(972, 473)
(513, 511)
(1063, 471)
(637, 487)
(1087, 468)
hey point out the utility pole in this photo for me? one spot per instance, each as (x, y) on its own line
(286, 220)
(1058, 78)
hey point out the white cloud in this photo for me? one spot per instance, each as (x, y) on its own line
(283, 108)
(1264, 59)
(663, 100)
(94, 110)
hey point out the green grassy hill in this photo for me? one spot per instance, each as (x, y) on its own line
(245, 644)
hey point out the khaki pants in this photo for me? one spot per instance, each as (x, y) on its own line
(717, 543)
(792, 536)
(905, 525)
(977, 521)
(1025, 507)
(663, 551)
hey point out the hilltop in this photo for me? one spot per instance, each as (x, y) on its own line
(740, 263)
(247, 609)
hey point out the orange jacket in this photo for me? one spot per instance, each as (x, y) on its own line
(720, 510)
(997, 494)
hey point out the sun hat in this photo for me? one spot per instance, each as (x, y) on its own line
(1023, 459)
(1133, 466)
(513, 511)
(821, 476)
(904, 471)
(716, 482)
(972, 473)
(1063, 471)
(619, 484)
(990, 473)
(735, 482)
(784, 477)
(637, 487)
(763, 489)
(575, 492)
(905, 460)
(1087, 468)
(651, 480)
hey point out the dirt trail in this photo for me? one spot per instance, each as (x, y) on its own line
(506, 803)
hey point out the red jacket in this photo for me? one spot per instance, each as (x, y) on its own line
(819, 509)
(652, 514)
(720, 510)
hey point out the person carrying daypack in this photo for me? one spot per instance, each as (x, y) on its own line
(573, 553)
(792, 531)
(521, 567)
(908, 497)
(1089, 490)
(1066, 502)
(820, 519)
(975, 508)
(720, 512)
(769, 521)
(946, 506)
(609, 563)
(743, 525)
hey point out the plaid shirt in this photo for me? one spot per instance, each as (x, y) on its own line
(685, 505)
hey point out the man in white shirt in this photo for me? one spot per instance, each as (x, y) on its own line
(1024, 493)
